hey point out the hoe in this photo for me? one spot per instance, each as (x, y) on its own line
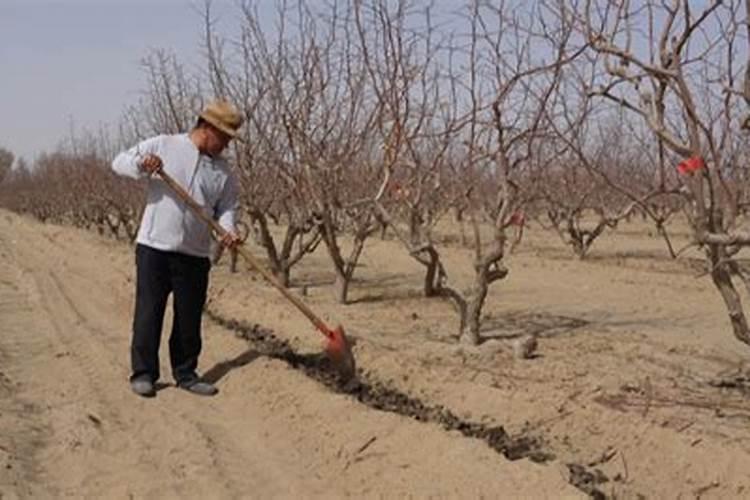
(338, 348)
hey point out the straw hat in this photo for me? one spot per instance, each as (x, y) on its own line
(224, 116)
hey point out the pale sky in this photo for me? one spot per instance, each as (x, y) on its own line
(78, 61)
(63, 60)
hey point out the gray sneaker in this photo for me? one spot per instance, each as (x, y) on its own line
(199, 387)
(143, 387)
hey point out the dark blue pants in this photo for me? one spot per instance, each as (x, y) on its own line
(158, 274)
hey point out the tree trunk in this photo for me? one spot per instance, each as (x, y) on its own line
(471, 323)
(341, 288)
(431, 279)
(723, 281)
(280, 266)
(578, 248)
(433, 275)
(459, 217)
(663, 232)
(470, 329)
(283, 275)
(233, 260)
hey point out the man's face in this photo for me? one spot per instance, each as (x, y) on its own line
(216, 141)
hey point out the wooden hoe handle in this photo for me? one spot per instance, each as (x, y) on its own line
(221, 232)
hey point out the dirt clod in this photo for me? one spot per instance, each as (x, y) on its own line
(587, 481)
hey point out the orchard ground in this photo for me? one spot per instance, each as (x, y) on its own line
(638, 380)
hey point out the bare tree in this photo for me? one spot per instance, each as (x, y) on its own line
(680, 76)
(523, 86)
(601, 179)
(416, 126)
(484, 130)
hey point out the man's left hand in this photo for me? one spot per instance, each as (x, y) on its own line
(230, 240)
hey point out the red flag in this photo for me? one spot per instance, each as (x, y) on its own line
(691, 165)
(518, 218)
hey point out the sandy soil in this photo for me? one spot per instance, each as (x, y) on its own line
(638, 381)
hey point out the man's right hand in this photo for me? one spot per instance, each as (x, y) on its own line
(150, 163)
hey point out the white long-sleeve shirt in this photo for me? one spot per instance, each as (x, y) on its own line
(168, 224)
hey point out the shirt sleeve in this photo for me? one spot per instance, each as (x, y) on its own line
(127, 163)
(226, 208)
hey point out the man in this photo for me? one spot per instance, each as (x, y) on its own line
(173, 245)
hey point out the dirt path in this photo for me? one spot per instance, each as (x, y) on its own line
(71, 427)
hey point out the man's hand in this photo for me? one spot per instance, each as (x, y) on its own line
(151, 163)
(230, 240)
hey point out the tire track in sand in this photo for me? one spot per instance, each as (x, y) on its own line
(101, 438)
(20, 419)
